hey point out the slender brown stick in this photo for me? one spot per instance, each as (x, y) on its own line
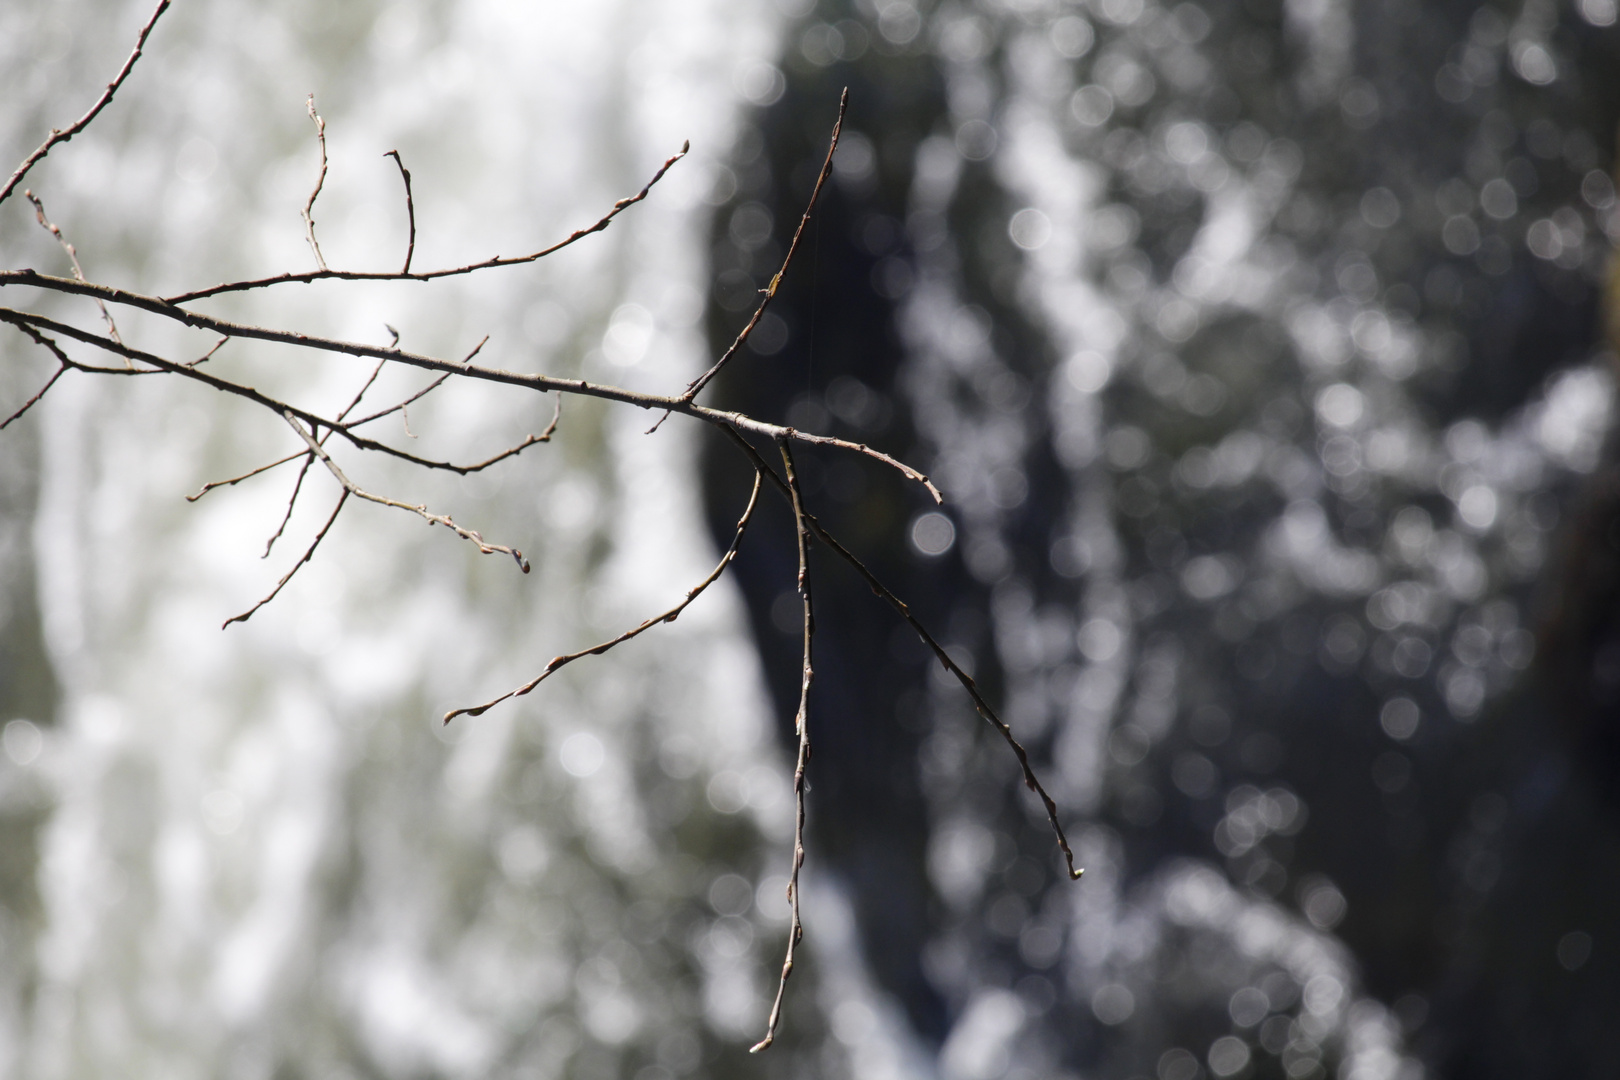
(64, 134)
(209, 355)
(73, 257)
(31, 402)
(801, 726)
(309, 206)
(410, 207)
(559, 662)
(309, 553)
(469, 535)
(429, 275)
(701, 381)
(1031, 781)
(233, 481)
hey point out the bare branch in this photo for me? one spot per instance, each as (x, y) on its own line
(950, 665)
(487, 264)
(559, 662)
(316, 431)
(73, 257)
(233, 481)
(159, 306)
(309, 553)
(410, 207)
(801, 725)
(24, 318)
(64, 134)
(382, 500)
(703, 380)
(309, 207)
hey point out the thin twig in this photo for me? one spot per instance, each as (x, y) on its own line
(347, 409)
(559, 662)
(159, 306)
(801, 726)
(309, 553)
(292, 501)
(950, 665)
(73, 257)
(233, 481)
(410, 207)
(701, 381)
(422, 393)
(64, 134)
(29, 404)
(309, 206)
(209, 355)
(63, 362)
(429, 275)
(469, 535)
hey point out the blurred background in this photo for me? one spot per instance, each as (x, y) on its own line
(1257, 346)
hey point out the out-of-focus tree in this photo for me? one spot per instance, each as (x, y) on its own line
(1257, 347)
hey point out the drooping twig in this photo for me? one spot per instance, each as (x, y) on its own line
(410, 207)
(801, 727)
(703, 380)
(309, 206)
(559, 662)
(62, 135)
(429, 275)
(73, 257)
(309, 553)
(1031, 781)
(469, 535)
